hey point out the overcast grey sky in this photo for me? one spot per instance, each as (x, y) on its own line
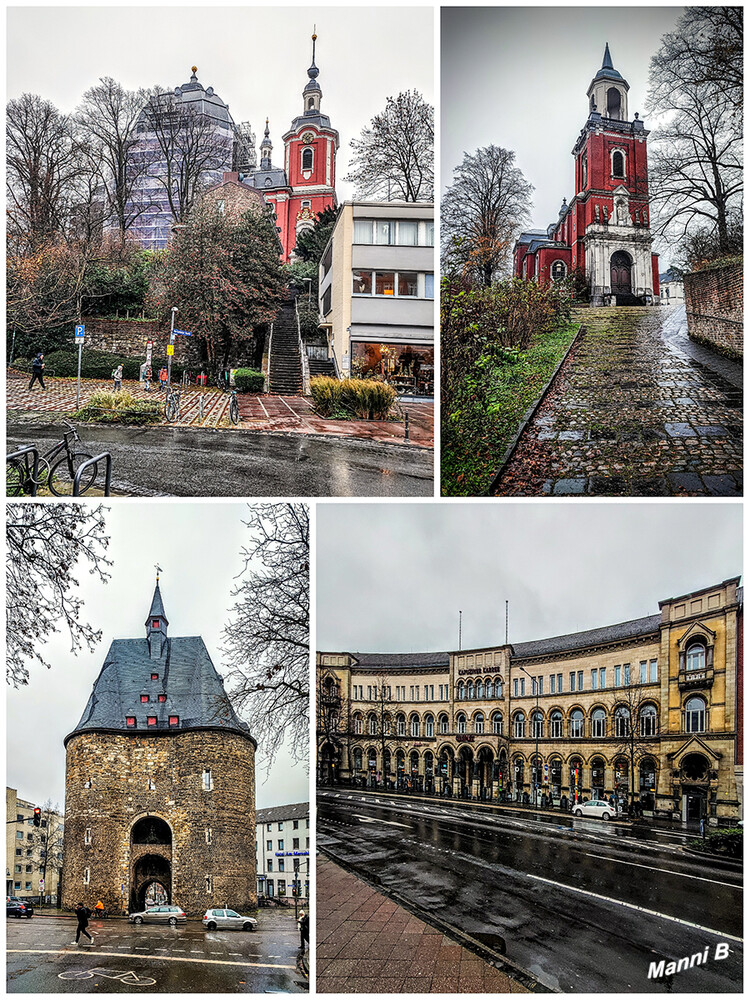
(198, 548)
(392, 578)
(517, 78)
(256, 58)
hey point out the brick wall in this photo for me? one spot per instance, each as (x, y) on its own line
(119, 768)
(713, 300)
(128, 337)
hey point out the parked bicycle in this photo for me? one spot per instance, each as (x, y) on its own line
(234, 408)
(53, 473)
(172, 405)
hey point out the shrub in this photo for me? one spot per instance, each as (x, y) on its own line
(326, 394)
(367, 399)
(101, 364)
(119, 408)
(249, 380)
(727, 843)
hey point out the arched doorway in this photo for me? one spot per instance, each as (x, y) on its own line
(485, 761)
(622, 780)
(330, 761)
(151, 851)
(445, 771)
(620, 273)
(429, 771)
(415, 778)
(597, 778)
(555, 779)
(695, 775)
(400, 769)
(576, 779)
(372, 766)
(465, 767)
(647, 785)
(518, 779)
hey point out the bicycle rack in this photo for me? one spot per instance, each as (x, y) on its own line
(24, 453)
(93, 461)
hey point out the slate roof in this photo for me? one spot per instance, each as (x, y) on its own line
(276, 175)
(593, 637)
(194, 690)
(277, 814)
(157, 606)
(374, 660)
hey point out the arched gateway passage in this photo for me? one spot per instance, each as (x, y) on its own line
(151, 865)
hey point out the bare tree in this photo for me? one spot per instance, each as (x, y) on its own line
(44, 543)
(334, 726)
(696, 151)
(42, 163)
(634, 723)
(189, 145)
(482, 212)
(267, 639)
(394, 157)
(107, 124)
(385, 712)
(50, 854)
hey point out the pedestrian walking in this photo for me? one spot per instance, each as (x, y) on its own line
(163, 378)
(117, 376)
(37, 371)
(304, 929)
(82, 914)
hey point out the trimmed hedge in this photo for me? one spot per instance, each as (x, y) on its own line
(101, 364)
(726, 843)
(249, 380)
(365, 399)
(119, 408)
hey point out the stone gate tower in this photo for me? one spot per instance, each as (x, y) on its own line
(160, 781)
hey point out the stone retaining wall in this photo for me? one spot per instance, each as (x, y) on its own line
(128, 337)
(713, 300)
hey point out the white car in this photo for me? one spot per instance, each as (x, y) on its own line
(228, 920)
(596, 809)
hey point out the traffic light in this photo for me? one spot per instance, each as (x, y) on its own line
(37, 816)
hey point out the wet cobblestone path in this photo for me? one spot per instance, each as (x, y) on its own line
(636, 410)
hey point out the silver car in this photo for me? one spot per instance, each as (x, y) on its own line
(171, 915)
(595, 808)
(228, 920)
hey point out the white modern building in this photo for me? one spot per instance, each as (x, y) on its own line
(283, 851)
(671, 289)
(377, 292)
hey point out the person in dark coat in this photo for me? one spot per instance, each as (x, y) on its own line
(82, 915)
(37, 371)
(304, 930)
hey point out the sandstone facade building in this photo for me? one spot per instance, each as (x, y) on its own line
(648, 710)
(160, 781)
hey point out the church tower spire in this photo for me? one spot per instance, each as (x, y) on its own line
(312, 93)
(266, 148)
(156, 623)
(608, 91)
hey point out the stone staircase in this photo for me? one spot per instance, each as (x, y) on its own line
(319, 367)
(285, 365)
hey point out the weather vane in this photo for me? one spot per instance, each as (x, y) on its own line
(157, 567)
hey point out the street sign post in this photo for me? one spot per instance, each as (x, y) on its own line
(80, 334)
(170, 348)
(181, 333)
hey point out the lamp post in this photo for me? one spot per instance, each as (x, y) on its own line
(536, 734)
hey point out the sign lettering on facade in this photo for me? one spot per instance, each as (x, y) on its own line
(465, 738)
(484, 670)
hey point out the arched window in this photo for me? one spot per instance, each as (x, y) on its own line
(695, 658)
(479, 723)
(556, 724)
(372, 725)
(498, 688)
(470, 690)
(489, 690)
(429, 725)
(597, 777)
(622, 721)
(558, 271)
(310, 103)
(537, 725)
(414, 725)
(497, 724)
(358, 758)
(618, 164)
(519, 725)
(461, 723)
(648, 720)
(358, 725)
(307, 159)
(443, 723)
(460, 691)
(576, 723)
(401, 725)
(695, 715)
(480, 690)
(598, 723)
(614, 103)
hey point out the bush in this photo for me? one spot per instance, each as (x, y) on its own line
(101, 364)
(249, 380)
(367, 398)
(326, 394)
(119, 408)
(726, 843)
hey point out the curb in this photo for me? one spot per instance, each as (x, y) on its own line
(531, 413)
(479, 948)
(728, 864)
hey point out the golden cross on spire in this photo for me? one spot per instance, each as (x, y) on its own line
(157, 567)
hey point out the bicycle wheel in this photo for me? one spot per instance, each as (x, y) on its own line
(234, 410)
(15, 478)
(61, 481)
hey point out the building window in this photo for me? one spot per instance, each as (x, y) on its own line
(86, 876)
(18, 870)
(87, 835)
(479, 723)
(461, 724)
(401, 725)
(152, 721)
(618, 163)
(537, 725)
(617, 676)
(556, 725)
(281, 845)
(558, 271)
(372, 725)
(281, 826)
(622, 722)
(162, 697)
(270, 864)
(209, 835)
(385, 283)
(695, 715)
(281, 864)
(519, 726)
(576, 723)
(443, 724)
(209, 883)
(653, 676)
(552, 684)
(696, 657)
(429, 725)
(643, 671)
(580, 680)
(572, 680)
(414, 725)
(497, 724)
(363, 230)
(648, 720)
(174, 720)
(470, 691)
(594, 679)
(523, 686)
(208, 782)
(144, 699)
(408, 234)
(598, 723)
(130, 721)
(307, 159)
(326, 303)
(154, 677)
(269, 845)
(407, 283)
(626, 674)
(429, 234)
(602, 678)
(362, 283)
(384, 232)
(295, 843)
(295, 824)
(282, 886)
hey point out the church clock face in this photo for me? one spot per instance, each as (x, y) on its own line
(308, 137)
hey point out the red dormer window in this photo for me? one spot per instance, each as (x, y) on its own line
(130, 721)
(154, 677)
(144, 699)
(152, 720)
(174, 720)
(162, 697)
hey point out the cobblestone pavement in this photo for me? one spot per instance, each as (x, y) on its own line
(636, 410)
(366, 943)
(263, 413)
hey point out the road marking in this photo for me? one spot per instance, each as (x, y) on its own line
(386, 822)
(634, 864)
(157, 958)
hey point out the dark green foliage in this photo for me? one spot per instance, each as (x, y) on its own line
(727, 843)
(249, 380)
(101, 364)
(312, 242)
(309, 322)
(111, 290)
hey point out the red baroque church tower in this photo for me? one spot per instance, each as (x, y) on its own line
(306, 183)
(605, 228)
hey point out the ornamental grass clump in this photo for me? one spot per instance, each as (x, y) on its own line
(326, 394)
(119, 408)
(367, 399)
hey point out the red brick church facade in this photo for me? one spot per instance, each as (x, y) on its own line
(605, 230)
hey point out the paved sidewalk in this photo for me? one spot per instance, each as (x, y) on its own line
(366, 943)
(634, 411)
(290, 414)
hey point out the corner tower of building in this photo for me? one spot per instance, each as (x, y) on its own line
(160, 781)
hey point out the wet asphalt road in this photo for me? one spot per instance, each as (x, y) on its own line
(153, 959)
(552, 887)
(184, 461)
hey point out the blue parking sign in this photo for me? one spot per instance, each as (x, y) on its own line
(80, 331)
